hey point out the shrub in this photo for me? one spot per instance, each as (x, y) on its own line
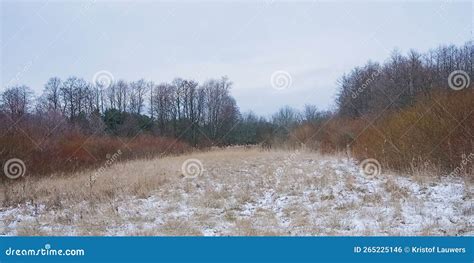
(73, 150)
(331, 135)
(436, 130)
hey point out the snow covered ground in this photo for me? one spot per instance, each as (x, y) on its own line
(241, 192)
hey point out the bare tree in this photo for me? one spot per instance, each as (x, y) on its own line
(52, 93)
(138, 90)
(16, 101)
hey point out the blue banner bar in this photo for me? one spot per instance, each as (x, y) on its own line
(237, 249)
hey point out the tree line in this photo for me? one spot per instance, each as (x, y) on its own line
(206, 113)
(182, 108)
(397, 83)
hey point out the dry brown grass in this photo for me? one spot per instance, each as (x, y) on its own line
(240, 192)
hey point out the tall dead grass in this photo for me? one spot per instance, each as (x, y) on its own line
(434, 133)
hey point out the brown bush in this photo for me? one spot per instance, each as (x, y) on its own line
(73, 151)
(436, 130)
(330, 136)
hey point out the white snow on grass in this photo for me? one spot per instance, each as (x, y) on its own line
(263, 193)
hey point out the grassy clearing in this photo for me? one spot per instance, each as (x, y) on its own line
(240, 192)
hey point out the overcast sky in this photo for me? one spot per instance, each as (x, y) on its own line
(315, 42)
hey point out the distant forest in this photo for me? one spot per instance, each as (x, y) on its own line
(410, 109)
